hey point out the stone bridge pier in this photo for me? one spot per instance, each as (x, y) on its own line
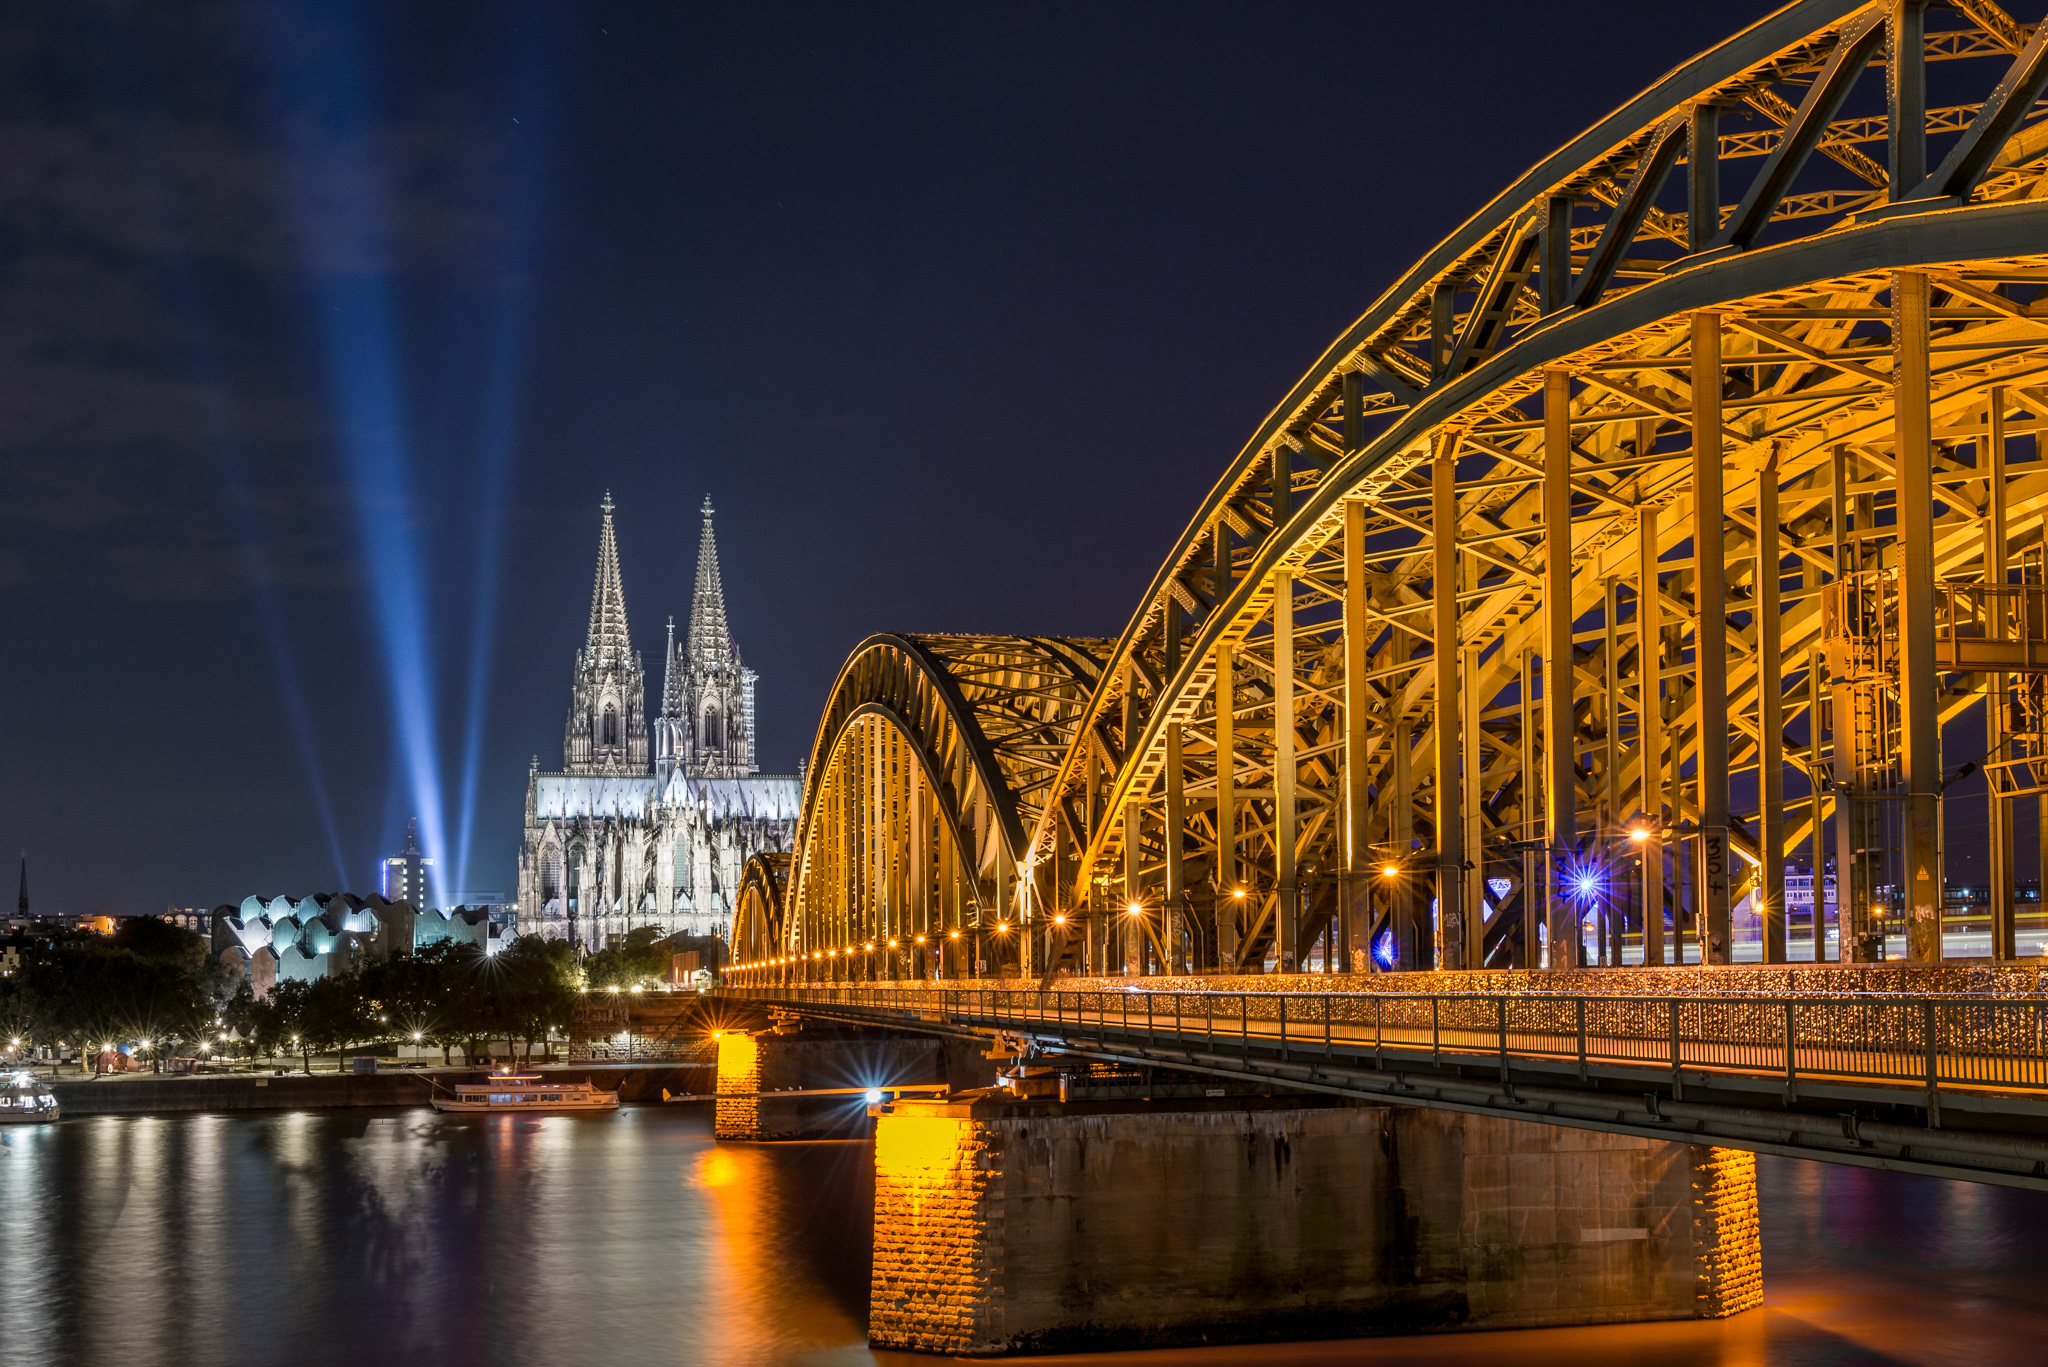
(1155, 1209)
(1008, 1226)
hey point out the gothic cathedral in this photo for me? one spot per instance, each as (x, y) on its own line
(614, 842)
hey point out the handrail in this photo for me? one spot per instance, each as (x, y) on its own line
(1930, 1043)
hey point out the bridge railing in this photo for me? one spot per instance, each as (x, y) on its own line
(1920, 1042)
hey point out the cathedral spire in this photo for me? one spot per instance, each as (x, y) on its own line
(710, 637)
(669, 680)
(22, 906)
(607, 731)
(609, 642)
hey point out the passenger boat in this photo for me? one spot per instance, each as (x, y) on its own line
(526, 1092)
(23, 1099)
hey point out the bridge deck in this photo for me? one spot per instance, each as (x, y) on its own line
(1836, 1074)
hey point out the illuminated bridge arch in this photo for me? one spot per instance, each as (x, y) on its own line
(930, 763)
(757, 923)
(1756, 361)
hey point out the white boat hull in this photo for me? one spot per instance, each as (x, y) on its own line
(603, 1101)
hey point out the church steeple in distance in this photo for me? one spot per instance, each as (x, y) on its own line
(21, 906)
(607, 731)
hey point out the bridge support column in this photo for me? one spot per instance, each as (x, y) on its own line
(1354, 899)
(1710, 643)
(1997, 743)
(1228, 903)
(1287, 911)
(1560, 725)
(1650, 719)
(1008, 1226)
(1450, 716)
(1919, 709)
(1770, 680)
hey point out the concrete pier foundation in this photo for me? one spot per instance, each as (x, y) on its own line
(1016, 1227)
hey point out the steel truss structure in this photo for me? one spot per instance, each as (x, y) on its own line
(1659, 524)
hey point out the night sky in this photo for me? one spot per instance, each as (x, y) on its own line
(324, 329)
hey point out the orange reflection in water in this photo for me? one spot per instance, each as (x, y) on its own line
(757, 1242)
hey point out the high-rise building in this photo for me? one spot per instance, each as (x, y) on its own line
(405, 873)
(619, 838)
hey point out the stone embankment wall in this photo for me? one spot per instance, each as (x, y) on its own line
(1003, 1228)
(627, 1028)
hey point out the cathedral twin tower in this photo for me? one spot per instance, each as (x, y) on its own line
(617, 841)
(706, 724)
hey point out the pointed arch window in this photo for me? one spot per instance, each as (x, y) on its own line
(714, 734)
(611, 725)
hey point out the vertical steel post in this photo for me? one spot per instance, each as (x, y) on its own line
(1842, 738)
(1401, 834)
(1554, 279)
(1133, 925)
(1531, 863)
(1703, 177)
(1919, 709)
(1710, 640)
(1287, 914)
(1173, 918)
(1612, 927)
(1770, 677)
(1560, 728)
(1997, 743)
(1450, 815)
(1906, 97)
(1355, 900)
(1227, 902)
(1650, 730)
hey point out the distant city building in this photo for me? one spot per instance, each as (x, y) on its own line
(621, 838)
(405, 873)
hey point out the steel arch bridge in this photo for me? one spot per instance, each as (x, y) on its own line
(1665, 520)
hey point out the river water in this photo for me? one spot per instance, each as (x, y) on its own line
(393, 1238)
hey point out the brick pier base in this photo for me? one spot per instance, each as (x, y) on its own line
(1019, 1227)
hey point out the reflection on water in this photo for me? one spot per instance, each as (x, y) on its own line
(631, 1238)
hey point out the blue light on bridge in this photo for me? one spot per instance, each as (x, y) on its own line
(1383, 952)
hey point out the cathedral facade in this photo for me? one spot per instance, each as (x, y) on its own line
(622, 838)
